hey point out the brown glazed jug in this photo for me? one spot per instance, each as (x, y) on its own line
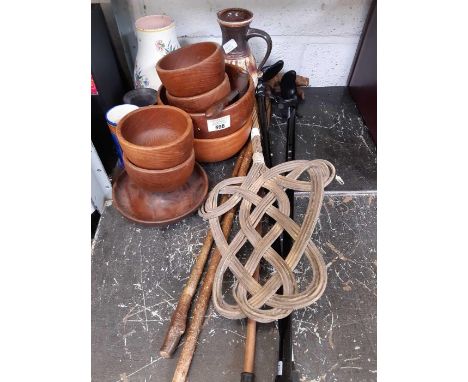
(235, 25)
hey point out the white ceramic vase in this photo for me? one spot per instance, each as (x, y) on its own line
(157, 37)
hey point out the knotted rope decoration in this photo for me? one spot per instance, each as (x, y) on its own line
(262, 303)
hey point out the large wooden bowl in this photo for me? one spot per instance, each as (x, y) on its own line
(156, 137)
(193, 69)
(165, 180)
(218, 149)
(239, 112)
(199, 103)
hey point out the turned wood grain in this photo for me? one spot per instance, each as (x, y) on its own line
(239, 87)
(218, 149)
(239, 111)
(159, 208)
(156, 137)
(193, 69)
(165, 180)
(199, 103)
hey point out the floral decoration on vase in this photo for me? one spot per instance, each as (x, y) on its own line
(140, 80)
(161, 45)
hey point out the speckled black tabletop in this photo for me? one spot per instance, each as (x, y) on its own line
(139, 271)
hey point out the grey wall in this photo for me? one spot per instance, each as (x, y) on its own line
(316, 38)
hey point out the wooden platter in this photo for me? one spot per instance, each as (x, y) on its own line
(159, 208)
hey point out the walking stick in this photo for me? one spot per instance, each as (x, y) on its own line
(199, 310)
(179, 317)
(248, 374)
(286, 370)
(268, 72)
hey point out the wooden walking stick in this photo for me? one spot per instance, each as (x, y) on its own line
(203, 300)
(179, 317)
(264, 110)
(248, 374)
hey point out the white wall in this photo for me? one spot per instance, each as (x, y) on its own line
(318, 39)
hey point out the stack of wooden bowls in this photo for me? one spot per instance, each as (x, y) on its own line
(157, 145)
(194, 78)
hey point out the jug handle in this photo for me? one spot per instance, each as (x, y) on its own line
(253, 32)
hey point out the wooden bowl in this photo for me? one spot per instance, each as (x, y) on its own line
(165, 180)
(159, 208)
(193, 69)
(239, 112)
(218, 149)
(156, 137)
(201, 102)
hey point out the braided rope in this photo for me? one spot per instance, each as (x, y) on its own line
(261, 302)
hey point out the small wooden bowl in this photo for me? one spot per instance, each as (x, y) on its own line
(165, 180)
(201, 102)
(239, 112)
(156, 137)
(218, 149)
(193, 69)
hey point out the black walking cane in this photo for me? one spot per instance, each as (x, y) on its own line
(268, 72)
(288, 100)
